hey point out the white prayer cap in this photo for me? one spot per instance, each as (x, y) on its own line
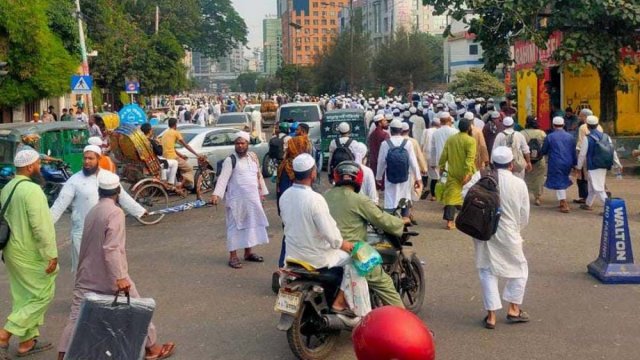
(95, 140)
(586, 112)
(396, 124)
(344, 128)
(406, 114)
(413, 110)
(436, 121)
(303, 162)
(388, 116)
(396, 112)
(592, 120)
(380, 112)
(25, 158)
(108, 180)
(359, 151)
(243, 134)
(501, 155)
(508, 121)
(405, 126)
(443, 115)
(469, 115)
(460, 111)
(490, 100)
(458, 99)
(378, 118)
(495, 115)
(558, 121)
(93, 148)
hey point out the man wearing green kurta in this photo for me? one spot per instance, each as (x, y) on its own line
(458, 157)
(353, 212)
(31, 256)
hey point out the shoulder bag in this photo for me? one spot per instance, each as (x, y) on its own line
(5, 232)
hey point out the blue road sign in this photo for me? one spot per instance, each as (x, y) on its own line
(615, 264)
(81, 84)
(132, 114)
(132, 87)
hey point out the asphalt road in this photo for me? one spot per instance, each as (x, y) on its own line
(214, 312)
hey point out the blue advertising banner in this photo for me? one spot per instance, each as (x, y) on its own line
(132, 114)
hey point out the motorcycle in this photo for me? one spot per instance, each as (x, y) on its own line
(304, 299)
(55, 175)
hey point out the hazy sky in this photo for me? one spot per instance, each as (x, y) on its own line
(253, 12)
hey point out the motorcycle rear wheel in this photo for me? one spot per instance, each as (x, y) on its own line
(412, 287)
(303, 332)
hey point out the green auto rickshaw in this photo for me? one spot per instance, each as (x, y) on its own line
(330, 122)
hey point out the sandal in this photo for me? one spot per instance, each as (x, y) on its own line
(235, 263)
(521, 317)
(586, 207)
(487, 324)
(346, 312)
(254, 258)
(167, 350)
(37, 347)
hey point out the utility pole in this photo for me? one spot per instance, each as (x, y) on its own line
(157, 18)
(85, 61)
(351, 56)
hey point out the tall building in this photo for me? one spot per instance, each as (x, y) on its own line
(272, 45)
(461, 52)
(381, 18)
(308, 28)
(210, 73)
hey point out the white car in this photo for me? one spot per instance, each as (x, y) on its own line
(308, 113)
(215, 144)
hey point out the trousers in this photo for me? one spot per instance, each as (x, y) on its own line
(513, 290)
(561, 195)
(380, 282)
(169, 174)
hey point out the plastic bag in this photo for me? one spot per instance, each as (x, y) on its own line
(365, 258)
(356, 291)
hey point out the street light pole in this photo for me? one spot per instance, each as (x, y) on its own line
(83, 50)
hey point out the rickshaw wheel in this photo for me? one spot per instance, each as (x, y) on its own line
(205, 181)
(152, 197)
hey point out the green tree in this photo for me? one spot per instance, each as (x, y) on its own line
(595, 32)
(408, 61)
(476, 83)
(296, 78)
(248, 81)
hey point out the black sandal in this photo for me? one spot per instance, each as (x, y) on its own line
(488, 325)
(38, 347)
(235, 263)
(254, 258)
(520, 318)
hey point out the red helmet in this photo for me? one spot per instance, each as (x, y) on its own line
(348, 173)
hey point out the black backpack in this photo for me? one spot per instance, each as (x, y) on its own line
(480, 212)
(342, 153)
(602, 155)
(535, 150)
(220, 162)
(276, 147)
(397, 163)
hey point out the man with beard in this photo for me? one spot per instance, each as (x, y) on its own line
(377, 137)
(31, 256)
(81, 192)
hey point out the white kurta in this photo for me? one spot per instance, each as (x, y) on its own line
(519, 143)
(503, 253)
(436, 147)
(81, 192)
(243, 186)
(393, 193)
(418, 127)
(368, 187)
(427, 137)
(597, 177)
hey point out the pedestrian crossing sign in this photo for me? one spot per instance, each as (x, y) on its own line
(81, 84)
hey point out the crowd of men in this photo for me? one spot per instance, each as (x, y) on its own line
(425, 148)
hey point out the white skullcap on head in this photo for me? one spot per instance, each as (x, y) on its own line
(508, 121)
(501, 155)
(495, 115)
(586, 112)
(406, 114)
(359, 151)
(592, 120)
(378, 117)
(413, 110)
(388, 116)
(436, 121)
(443, 115)
(303, 162)
(95, 140)
(25, 158)
(244, 135)
(380, 112)
(490, 100)
(405, 126)
(344, 128)
(396, 112)
(558, 121)
(93, 148)
(469, 115)
(396, 124)
(108, 180)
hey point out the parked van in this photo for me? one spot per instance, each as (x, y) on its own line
(308, 113)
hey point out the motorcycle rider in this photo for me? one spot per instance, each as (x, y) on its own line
(353, 212)
(312, 235)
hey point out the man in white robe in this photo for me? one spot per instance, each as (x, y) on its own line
(438, 139)
(368, 187)
(418, 125)
(393, 193)
(502, 256)
(596, 177)
(432, 168)
(245, 189)
(517, 142)
(81, 192)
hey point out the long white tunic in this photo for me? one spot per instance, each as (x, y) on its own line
(393, 193)
(503, 254)
(418, 127)
(311, 234)
(436, 147)
(81, 192)
(427, 136)
(243, 186)
(368, 187)
(597, 177)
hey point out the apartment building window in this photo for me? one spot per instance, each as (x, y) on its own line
(316, 48)
(323, 22)
(473, 49)
(307, 39)
(306, 22)
(324, 13)
(324, 31)
(316, 39)
(298, 48)
(315, 4)
(332, 22)
(315, 13)
(324, 39)
(306, 31)
(332, 14)
(315, 22)
(315, 31)
(307, 48)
